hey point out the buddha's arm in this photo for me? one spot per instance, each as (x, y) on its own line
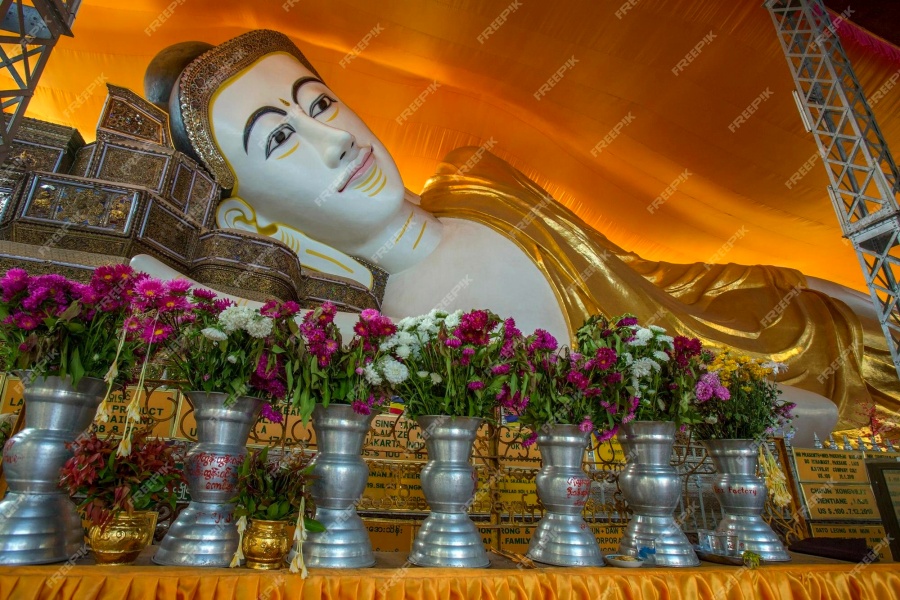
(159, 270)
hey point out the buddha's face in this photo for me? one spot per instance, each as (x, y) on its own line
(300, 156)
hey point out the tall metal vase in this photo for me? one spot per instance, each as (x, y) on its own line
(743, 496)
(38, 521)
(205, 534)
(340, 480)
(652, 487)
(448, 537)
(562, 537)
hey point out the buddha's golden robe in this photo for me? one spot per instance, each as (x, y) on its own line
(762, 310)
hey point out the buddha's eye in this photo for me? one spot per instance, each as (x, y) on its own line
(278, 137)
(320, 105)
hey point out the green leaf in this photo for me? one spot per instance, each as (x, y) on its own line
(313, 526)
(76, 369)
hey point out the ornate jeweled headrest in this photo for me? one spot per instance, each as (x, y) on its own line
(189, 102)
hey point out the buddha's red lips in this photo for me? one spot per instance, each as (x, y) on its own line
(360, 170)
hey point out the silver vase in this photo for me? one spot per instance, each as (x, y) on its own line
(205, 534)
(563, 538)
(652, 487)
(448, 537)
(340, 480)
(38, 521)
(743, 496)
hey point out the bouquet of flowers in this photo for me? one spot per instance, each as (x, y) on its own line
(659, 372)
(459, 364)
(144, 479)
(274, 490)
(214, 345)
(362, 374)
(564, 387)
(737, 400)
(55, 326)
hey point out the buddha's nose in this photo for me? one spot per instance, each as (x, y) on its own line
(335, 146)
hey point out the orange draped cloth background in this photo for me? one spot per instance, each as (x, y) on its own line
(708, 582)
(380, 55)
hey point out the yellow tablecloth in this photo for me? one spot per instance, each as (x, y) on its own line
(805, 578)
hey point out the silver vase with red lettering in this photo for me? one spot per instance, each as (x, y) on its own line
(38, 521)
(742, 495)
(652, 487)
(448, 537)
(205, 534)
(563, 538)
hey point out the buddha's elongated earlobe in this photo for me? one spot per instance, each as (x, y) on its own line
(235, 213)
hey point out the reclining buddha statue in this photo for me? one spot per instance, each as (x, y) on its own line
(302, 167)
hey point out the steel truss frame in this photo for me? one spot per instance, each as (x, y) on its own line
(28, 32)
(863, 174)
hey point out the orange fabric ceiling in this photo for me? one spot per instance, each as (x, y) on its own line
(623, 66)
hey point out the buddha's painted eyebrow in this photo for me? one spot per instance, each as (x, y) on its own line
(255, 116)
(302, 81)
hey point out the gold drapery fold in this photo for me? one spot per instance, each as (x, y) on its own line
(790, 581)
(765, 311)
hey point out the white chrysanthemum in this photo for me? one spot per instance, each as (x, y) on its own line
(388, 344)
(231, 358)
(403, 351)
(259, 326)
(372, 375)
(657, 329)
(235, 317)
(436, 379)
(776, 367)
(426, 325)
(395, 372)
(404, 338)
(422, 374)
(642, 335)
(405, 322)
(452, 320)
(661, 356)
(666, 339)
(628, 358)
(216, 335)
(643, 367)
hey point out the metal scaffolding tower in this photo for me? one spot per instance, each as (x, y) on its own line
(28, 33)
(864, 177)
